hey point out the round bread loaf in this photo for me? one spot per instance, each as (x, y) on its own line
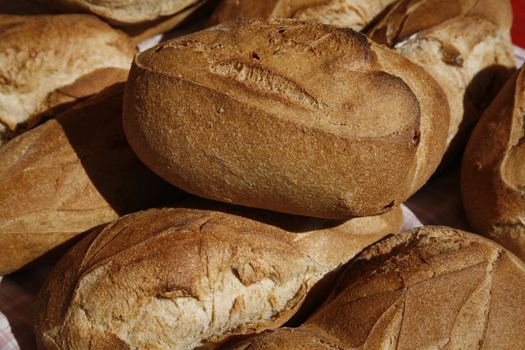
(431, 288)
(493, 173)
(124, 12)
(289, 116)
(69, 175)
(51, 61)
(354, 14)
(465, 45)
(180, 278)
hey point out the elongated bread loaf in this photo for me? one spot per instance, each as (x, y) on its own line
(124, 12)
(290, 116)
(432, 288)
(493, 174)
(465, 45)
(50, 61)
(67, 176)
(179, 278)
(354, 14)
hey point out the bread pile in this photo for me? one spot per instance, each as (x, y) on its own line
(302, 138)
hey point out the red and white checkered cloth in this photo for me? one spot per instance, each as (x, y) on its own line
(438, 203)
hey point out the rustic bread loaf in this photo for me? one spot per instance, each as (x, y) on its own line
(67, 176)
(48, 61)
(193, 275)
(290, 116)
(431, 288)
(124, 12)
(493, 173)
(354, 14)
(465, 45)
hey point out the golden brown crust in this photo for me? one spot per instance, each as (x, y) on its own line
(430, 288)
(43, 57)
(68, 175)
(493, 173)
(191, 275)
(464, 44)
(354, 14)
(124, 12)
(273, 114)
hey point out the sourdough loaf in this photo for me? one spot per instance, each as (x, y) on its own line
(354, 14)
(67, 176)
(493, 173)
(290, 116)
(432, 288)
(125, 12)
(193, 275)
(50, 61)
(465, 45)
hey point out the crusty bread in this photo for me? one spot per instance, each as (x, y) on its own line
(124, 12)
(48, 61)
(67, 176)
(431, 288)
(493, 173)
(290, 116)
(354, 14)
(192, 275)
(465, 45)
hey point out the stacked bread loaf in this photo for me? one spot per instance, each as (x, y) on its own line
(141, 19)
(310, 134)
(354, 14)
(49, 61)
(274, 115)
(180, 278)
(493, 174)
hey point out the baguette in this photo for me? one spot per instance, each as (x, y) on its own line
(290, 116)
(354, 14)
(465, 45)
(67, 176)
(493, 172)
(47, 62)
(431, 288)
(193, 275)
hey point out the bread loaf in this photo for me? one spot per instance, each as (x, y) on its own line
(193, 275)
(354, 14)
(124, 12)
(48, 61)
(493, 173)
(465, 45)
(289, 116)
(431, 288)
(67, 176)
